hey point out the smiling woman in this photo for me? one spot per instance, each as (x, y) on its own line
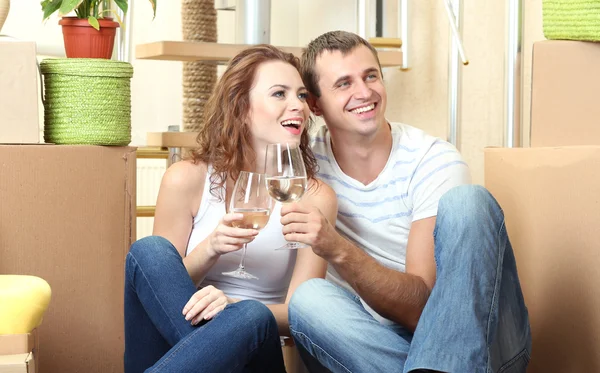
(259, 100)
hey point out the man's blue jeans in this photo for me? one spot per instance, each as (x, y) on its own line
(475, 320)
(242, 337)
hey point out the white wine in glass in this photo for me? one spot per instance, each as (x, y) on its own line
(286, 177)
(254, 218)
(286, 189)
(251, 199)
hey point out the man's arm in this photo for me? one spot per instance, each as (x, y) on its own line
(394, 295)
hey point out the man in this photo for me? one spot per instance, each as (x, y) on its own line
(421, 277)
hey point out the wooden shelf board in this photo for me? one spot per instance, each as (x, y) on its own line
(222, 53)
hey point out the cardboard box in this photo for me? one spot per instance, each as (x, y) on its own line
(19, 363)
(565, 91)
(551, 199)
(19, 93)
(67, 215)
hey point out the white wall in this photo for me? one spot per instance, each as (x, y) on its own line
(418, 96)
(25, 22)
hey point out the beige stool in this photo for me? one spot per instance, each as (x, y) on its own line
(24, 301)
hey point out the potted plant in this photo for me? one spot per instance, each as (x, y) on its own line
(91, 34)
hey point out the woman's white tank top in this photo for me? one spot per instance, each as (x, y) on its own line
(273, 268)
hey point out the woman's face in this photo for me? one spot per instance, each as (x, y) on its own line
(278, 109)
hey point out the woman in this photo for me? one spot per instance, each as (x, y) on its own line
(229, 324)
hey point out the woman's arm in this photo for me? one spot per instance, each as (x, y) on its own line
(178, 201)
(308, 264)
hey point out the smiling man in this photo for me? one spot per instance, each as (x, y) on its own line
(421, 277)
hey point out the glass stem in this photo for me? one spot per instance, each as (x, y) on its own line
(243, 261)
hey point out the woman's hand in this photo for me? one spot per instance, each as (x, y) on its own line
(226, 238)
(205, 304)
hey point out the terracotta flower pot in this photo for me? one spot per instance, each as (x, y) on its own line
(84, 41)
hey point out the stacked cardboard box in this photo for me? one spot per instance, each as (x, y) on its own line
(550, 194)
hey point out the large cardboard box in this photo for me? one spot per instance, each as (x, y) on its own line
(19, 93)
(67, 215)
(551, 199)
(565, 93)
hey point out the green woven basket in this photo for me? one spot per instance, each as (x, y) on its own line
(572, 19)
(87, 101)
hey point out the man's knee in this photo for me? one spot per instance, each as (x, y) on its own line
(469, 204)
(317, 305)
(307, 296)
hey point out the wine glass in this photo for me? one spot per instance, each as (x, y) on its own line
(251, 199)
(286, 177)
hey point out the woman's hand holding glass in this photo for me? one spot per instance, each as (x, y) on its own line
(228, 236)
(250, 199)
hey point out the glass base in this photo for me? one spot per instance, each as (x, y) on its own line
(240, 273)
(293, 246)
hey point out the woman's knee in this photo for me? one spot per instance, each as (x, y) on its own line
(152, 250)
(256, 313)
(151, 246)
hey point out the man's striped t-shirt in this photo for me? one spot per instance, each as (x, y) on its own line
(377, 217)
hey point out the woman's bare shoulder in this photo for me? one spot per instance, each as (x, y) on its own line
(185, 176)
(321, 195)
(320, 189)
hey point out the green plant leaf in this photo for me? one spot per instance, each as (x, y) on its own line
(50, 6)
(94, 22)
(153, 2)
(68, 6)
(122, 4)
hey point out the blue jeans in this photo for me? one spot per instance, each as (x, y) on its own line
(242, 337)
(475, 320)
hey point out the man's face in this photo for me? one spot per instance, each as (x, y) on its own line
(353, 97)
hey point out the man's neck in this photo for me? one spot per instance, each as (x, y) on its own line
(362, 158)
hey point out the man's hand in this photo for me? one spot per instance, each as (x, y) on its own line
(309, 226)
(205, 304)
